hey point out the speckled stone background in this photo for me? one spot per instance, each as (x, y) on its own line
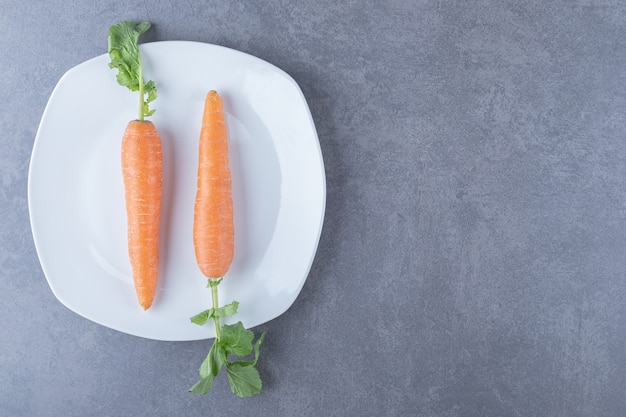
(473, 257)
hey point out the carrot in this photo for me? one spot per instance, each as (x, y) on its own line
(141, 162)
(213, 238)
(141, 170)
(213, 231)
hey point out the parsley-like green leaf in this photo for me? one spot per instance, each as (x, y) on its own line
(233, 340)
(201, 318)
(125, 57)
(209, 369)
(236, 339)
(244, 380)
(203, 386)
(213, 362)
(257, 345)
(228, 310)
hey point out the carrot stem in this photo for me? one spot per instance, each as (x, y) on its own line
(141, 93)
(214, 299)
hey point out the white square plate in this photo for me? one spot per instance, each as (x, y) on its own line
(76, 197)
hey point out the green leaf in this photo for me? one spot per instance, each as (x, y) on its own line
(236, 339)
(244, 380)
(209, 369)
(227, 311)
(150, 89)
(124, 52)
(150, 92)
(213, 362)
(125, 57)
(243, 377)
(201, 318)
(233, 340)
(257, 345)
(203, 386)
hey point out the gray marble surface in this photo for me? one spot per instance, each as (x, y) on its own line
(472, 260)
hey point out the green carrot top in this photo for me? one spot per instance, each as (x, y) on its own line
(125, 56)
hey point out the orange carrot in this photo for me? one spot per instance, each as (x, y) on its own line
(213, 231)
(141, 162)
(141, 169)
